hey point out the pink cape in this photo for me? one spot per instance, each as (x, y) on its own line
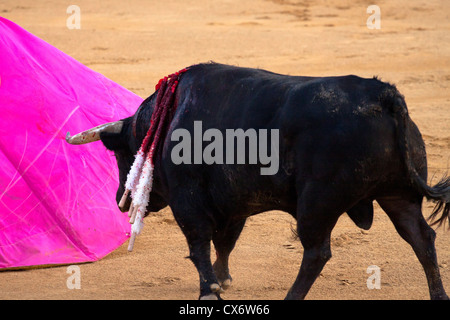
(57, 201)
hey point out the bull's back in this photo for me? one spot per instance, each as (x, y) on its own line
(329, 128)
(346, 130)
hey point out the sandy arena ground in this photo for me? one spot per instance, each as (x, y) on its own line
(135, 43)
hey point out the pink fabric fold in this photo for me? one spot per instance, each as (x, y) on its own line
(57, 201)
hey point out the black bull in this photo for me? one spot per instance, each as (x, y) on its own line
(343, 143)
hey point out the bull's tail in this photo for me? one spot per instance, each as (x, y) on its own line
(440, 192)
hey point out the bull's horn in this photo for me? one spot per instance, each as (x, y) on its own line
(93, 134)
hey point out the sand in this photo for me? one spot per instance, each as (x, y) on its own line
(135, 43)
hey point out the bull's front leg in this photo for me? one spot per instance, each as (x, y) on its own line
(224, 240)
(200, 252)
(198, 228)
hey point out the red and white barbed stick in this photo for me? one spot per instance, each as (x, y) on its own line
(140, 177)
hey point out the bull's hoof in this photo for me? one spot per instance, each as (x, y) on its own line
(211, 296)
(222, 274)
(226, 284)
(215, 294)
(215, 287)
(440, 297)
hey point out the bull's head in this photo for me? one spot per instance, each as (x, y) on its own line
(115, 137)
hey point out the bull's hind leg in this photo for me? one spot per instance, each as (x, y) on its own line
(317, 213)
(410, 224)
(198, 228)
